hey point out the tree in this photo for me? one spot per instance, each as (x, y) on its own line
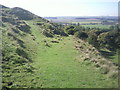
(70, 30)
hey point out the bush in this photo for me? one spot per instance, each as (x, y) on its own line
(15, 31)
(63, 33)
(22, 53)
(47, 34)
(81, 35)
(57, 32)
(24, 28)
(92, 39)
(70, 30)
(21, 43)
(18, 59)
(39, 23)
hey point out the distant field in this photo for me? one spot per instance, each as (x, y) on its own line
(98, 26)
(88, 21)
(85, 21)
(76, 21)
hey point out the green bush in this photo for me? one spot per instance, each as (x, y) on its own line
(39, 23)
(15, 30)
(25, 28)
(18, 59)
(22, 53)
(81, 35)
(47, 33)
(70, 30)
(92, 39)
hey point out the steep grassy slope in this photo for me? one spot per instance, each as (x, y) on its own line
(17, 41)
(17, 55)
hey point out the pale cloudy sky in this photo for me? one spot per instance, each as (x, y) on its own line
(66, 7)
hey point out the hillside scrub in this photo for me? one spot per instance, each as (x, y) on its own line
(81, 35)
(24, 28)
(102, 39)
(15, 54)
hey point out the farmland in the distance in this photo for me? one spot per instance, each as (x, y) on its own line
(93, 21)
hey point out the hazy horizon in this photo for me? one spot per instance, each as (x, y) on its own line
(59, 8)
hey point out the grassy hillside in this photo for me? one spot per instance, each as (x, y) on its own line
(39, 54)
(57, 65)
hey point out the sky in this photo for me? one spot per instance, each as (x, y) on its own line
(54, 8)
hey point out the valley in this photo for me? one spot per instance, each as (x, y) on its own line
(38, 53)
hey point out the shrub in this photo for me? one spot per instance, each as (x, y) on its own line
(57, 32)
(21, 43)
(22, 53)
(24, 28)
(81, 35)
(47, 34)
(15, 30)
(63, 33)
(92, 39)
(39, 23)
(18, 59)
(54, 41)
(70, 30)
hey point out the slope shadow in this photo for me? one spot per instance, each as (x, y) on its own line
(107, 54)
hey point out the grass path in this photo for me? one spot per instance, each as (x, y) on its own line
(58, 67)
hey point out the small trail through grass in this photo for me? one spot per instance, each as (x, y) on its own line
(58, 67)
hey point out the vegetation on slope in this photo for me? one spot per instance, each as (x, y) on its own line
(107, 41)
(37, 54)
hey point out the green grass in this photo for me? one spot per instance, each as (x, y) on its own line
(59, 66)
(56, 66)
(114, 58)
